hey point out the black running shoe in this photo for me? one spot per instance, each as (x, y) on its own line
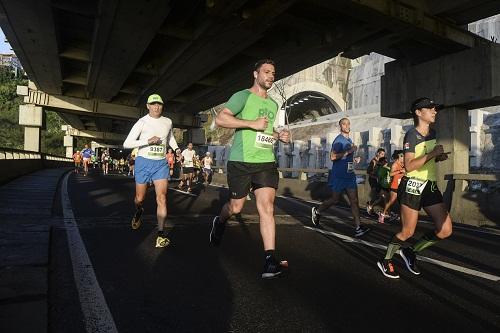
(410, 259)
(217, 231)
(137, 219)
(315, 216)
(361, 230)
(387, 268)
(273, 268)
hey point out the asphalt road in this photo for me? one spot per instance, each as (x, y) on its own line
(333, 284)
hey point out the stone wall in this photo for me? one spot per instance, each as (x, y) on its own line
(490, 141)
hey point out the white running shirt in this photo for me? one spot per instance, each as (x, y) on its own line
(188, 157)
(208, 162)
(144, 129)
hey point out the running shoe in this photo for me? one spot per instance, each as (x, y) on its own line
(360, 231)
(137, 219)
(387, 268)
(162, 241)
(315, 216)
(393, 217)
(381, 217)
(410, 259)
(273, 268)
(217, 231)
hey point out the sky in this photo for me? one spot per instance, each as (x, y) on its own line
(4, 47)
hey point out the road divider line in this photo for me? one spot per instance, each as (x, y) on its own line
(444, 264)
(181, 191)
(455, 226)
(349, 239)
(97, 315)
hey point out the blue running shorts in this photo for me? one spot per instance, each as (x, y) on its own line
(340, 184)
(147, 170)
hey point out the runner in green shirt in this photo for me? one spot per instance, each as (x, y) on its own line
(252, 165)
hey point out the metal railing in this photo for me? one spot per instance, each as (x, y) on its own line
(17, 154)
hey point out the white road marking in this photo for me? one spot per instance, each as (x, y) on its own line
(95, 310)
(455, 226)
(349, 239)
(181, 191)
(422, 258)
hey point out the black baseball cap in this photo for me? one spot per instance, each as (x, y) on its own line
(424, 102)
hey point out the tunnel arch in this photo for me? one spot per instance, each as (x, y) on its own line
(309, 105)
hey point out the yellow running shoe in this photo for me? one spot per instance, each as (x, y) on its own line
(137, 219)
(162, 241)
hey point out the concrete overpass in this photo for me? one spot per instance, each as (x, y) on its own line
(96, 61)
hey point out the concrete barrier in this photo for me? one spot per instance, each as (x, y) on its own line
(477, 208)
(15, 163)
(305, 189)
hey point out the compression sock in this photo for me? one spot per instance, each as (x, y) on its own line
(427, 240)
(393, 247)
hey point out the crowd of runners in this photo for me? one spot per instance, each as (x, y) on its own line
(407, 178)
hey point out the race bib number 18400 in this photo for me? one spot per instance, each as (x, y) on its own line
(263, 140)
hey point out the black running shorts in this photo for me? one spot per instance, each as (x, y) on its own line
(242, 176)
(188, 169)
(429, 196)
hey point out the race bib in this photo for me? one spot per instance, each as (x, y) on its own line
(415, 186)
(263, 140)
(156, 150)
(350, 167)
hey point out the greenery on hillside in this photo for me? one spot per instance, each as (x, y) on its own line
(11, 133)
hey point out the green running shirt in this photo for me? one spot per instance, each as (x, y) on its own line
(416, 143)
(249, 145)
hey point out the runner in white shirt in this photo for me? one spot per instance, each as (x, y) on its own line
(207, 166)
(152, 134)
(188, 166)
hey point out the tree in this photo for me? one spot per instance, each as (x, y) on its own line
(11, 133)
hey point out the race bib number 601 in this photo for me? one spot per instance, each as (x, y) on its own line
(263, 140)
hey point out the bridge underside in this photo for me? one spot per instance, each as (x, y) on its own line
(196, 53)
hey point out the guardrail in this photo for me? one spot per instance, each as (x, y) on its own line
(16, 162)
(469, 202)
(17, 154)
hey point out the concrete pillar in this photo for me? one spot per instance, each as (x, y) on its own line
(374, 139)
(69, 142)
(226, 151)
(282, 155)
(452, 127)
(476, 124)
(396, 137)
(94, 145)
(329, 140)
(315, 152)
(219, 155)
(32, 138)
(32, 117)
(280, 118)
(298, 145)
(356, 138)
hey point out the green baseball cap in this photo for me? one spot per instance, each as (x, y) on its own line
(155, 98)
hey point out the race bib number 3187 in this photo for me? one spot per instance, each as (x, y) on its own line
(263, 140)
(156, 150)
